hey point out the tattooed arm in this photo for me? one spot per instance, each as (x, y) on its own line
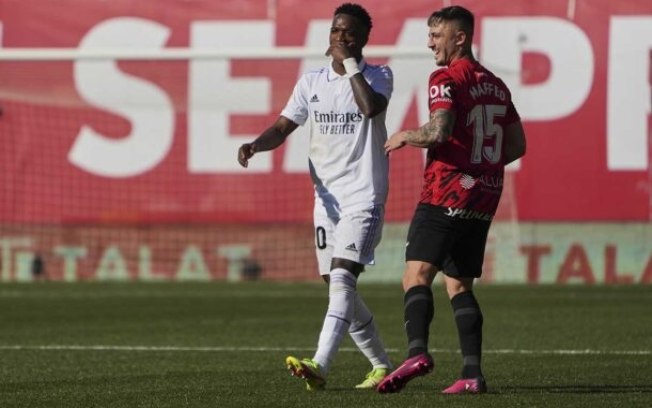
(435, 132)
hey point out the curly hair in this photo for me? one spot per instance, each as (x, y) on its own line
(357, 11)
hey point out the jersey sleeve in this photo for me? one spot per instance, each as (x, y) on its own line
(296, 108)
(441, 91)
(382, 81)
(511, 116)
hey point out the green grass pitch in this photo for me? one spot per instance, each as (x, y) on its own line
(223, 345)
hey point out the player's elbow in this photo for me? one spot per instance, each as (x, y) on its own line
(432, 141)
(515, 144)
(514, 151)
(519, 149)
(370, 111)
(373, 107)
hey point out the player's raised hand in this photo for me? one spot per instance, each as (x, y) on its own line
(395, 142)
(245, 153)
(339, 51)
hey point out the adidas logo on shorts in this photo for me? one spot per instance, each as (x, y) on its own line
(314, 98)
(352, 247)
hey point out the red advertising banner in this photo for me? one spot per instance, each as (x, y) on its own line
(155, 140)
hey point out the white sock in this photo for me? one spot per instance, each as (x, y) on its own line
(341, 299)
(364, 334)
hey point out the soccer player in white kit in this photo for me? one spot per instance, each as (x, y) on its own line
(345, 105)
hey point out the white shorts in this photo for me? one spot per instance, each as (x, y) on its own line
(352, 235)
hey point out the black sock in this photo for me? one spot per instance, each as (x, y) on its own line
(468, 317)
(419, 310)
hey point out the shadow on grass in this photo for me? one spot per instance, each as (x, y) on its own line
(576, 389)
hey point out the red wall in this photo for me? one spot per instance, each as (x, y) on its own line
(571, 171)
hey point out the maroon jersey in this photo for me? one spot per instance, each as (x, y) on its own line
(466, 172)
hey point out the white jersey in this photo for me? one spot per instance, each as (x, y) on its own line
(348, 164)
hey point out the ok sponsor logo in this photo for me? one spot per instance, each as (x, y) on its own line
(440, 91)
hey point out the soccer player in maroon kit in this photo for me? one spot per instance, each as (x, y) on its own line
(473, 132)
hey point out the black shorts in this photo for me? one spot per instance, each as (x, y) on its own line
(453, 244)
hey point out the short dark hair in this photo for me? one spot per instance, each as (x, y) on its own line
(454, 13)
(357, 11)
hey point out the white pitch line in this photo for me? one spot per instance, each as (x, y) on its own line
(74, 347)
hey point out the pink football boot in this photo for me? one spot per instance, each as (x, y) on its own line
(467, 386)
(411, 368)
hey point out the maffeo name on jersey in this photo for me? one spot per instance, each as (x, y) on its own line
(487, 89)
(334, 123)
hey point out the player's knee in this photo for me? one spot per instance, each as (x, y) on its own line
(351, 266)
(418, 274)
(342, 281)
(455, 286)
